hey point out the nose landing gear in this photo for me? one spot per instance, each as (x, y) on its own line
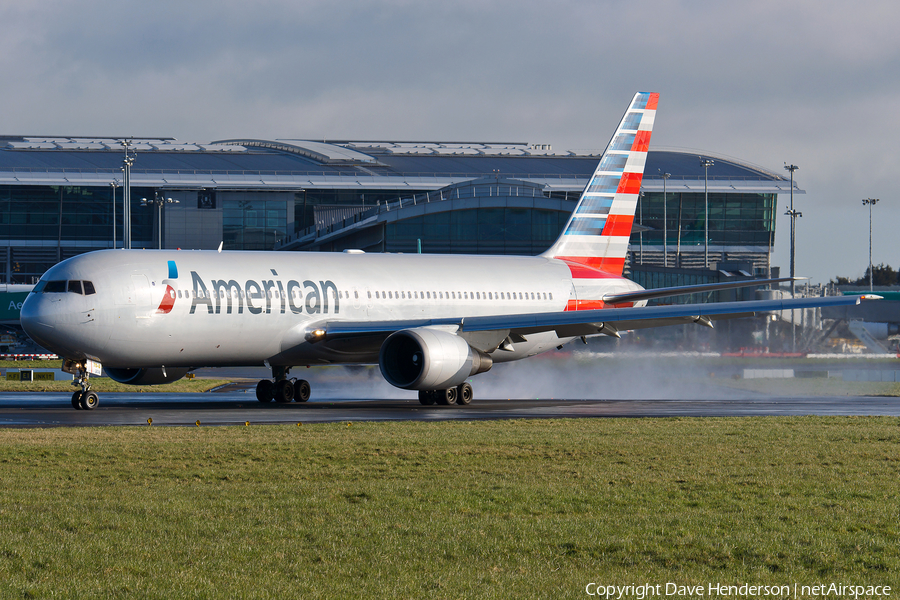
(83, 399)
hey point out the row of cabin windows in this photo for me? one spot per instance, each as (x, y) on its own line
(388, 295)
(74, 286)
(462, 295)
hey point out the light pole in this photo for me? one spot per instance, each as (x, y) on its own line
(158, 201)
(706, 163)
(870, 202)
(114, 184)
(641, 224)
(793, 214)
(126, 186)
(665, 177)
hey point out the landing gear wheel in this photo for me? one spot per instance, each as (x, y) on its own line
(447, 396)
(426, 397)
(463, 393)
(76, 400)
(284, 391)
(265, 390)
(89, 400)
(302, 390)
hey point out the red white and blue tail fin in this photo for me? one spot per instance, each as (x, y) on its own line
(597, 233)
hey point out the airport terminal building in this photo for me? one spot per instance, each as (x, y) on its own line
(63, 196)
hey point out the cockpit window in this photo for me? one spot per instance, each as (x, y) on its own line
(55, 287)
(74, 286)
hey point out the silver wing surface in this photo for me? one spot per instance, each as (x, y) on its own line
(586, 322)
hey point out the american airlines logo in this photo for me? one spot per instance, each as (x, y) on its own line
(264, 296)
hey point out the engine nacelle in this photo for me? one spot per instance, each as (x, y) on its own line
(881, 331)
(429, 359)
(153, 376)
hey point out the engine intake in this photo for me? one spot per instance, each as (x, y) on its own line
(152, 376)
(429, 359)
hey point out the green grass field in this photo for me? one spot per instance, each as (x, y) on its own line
(502, 509)
(99, 384)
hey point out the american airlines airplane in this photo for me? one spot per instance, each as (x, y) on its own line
(429, 321)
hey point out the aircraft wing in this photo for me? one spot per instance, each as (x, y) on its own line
(588, 322)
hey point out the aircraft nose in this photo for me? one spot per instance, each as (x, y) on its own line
(39, 321)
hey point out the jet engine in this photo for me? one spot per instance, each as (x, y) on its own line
(429, 359)
(153, 376)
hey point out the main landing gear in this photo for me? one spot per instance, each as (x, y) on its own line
(461, 394)
(282, 389)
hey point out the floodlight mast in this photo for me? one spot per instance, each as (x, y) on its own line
(665, 177)
(158, 201)
(114, 184)
(706, 163)
(126, 186)
(870, 202)
(793, 214)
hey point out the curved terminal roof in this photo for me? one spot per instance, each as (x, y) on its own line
(304, 164)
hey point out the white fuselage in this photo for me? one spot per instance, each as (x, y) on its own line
(202, 308)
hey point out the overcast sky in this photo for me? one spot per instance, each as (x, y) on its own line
(815, 83)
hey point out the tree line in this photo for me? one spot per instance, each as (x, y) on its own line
(882, 275)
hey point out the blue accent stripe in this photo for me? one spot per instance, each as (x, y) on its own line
(173, 270)
(586, 226)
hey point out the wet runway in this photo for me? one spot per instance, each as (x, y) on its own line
(237, 407)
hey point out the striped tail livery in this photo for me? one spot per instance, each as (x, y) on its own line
(595, 240)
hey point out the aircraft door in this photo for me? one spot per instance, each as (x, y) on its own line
(135, 293)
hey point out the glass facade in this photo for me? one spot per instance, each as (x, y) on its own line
(734, 219)
(306, 202)
(42, 225)
(57, 213)
(253, 223)
(508, 230)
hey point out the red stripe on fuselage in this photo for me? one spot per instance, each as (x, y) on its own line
(594, 267)
(581, 268)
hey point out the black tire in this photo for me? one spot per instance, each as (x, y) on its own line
(302, 390)
(284, 391)
(89, 400)
(426, 397)
(463, 393)
(265, 390)
(76, 400)
(447, 396)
